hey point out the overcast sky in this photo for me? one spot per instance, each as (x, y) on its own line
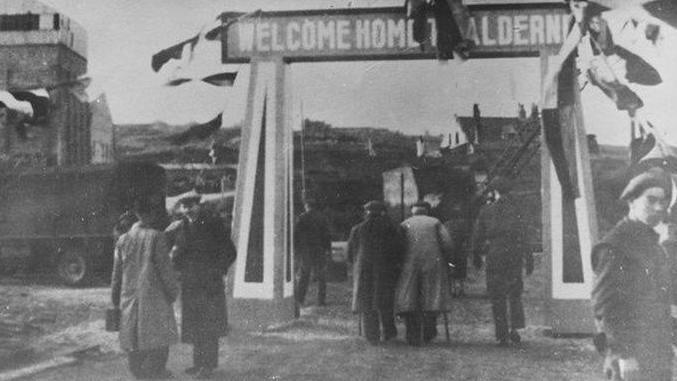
(412, 96)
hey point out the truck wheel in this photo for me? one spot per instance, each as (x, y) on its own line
(74, 266)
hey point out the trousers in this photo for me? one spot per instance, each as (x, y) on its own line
(421, 327)
(206, 352)
(147, 363)
(320, 271)
(502, 301)
(376, 321)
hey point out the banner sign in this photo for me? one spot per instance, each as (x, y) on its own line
(386, 33)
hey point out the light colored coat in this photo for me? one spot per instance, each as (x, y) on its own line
(424, 273)
(148, 286)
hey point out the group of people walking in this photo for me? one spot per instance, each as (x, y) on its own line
(403, 270)
(153, 265)
(398, 271)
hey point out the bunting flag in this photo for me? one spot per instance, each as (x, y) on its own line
(22, 107)
(620, 44)
(27, 107)
(652, 149)
(198, 131)
(556, 115)
(39, 101)
(199, 57)
(451, 21)
(80, 88)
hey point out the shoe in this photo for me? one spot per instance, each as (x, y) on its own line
(389, 336)
(192, 370)
(204, 374)
(515, 337)
(161, 375)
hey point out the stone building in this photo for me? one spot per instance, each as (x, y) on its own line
(43, 48)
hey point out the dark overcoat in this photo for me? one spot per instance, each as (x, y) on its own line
(424, 282)
(375, 248)
(460, 230)
(312, 239)
(631, 294)
(202, 253)
(499, 235)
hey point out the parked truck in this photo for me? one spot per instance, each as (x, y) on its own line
(64, 216)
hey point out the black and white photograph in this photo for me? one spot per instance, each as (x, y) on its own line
(338, 190)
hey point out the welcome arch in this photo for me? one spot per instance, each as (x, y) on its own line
(262, 279)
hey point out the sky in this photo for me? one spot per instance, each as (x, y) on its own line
(409, 96)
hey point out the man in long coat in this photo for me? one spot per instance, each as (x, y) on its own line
(144, 286)
(202, 253)
(375, 249)
(423, 287)
(632, 288)
(312, 246)
(500, 236)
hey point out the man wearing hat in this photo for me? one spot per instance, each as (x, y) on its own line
(312, 246)
(375, 249)
(632, 288)
(499, 235)
(202, 253)
(423, 287)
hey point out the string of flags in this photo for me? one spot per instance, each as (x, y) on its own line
(31, 106)
(198, 58)
(616, 46)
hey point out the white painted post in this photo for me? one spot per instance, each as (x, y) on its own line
(262, 277)
(568, 303)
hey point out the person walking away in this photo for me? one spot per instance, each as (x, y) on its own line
(459, 228)
(375, 250)
(499, 235)
(632, 288)
(202, 253)
(144, 286)
(312, 243)
(423, 287)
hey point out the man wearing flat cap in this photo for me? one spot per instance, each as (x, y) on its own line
(202, 253)
(375, 250)
(499, 236)
(423, 288)
(632, 288)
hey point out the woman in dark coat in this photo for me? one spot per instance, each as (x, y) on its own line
(375, 249)
(632, 285)
(202, 253)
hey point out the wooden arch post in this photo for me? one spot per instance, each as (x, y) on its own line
(569, 225)
(262, 278)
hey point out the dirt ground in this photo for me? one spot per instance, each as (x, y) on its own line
(323, 345)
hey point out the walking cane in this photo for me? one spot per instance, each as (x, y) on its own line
(446, 326)
(359, 324)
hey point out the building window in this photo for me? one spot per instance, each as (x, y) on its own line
(23, 22)
(57, 22)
